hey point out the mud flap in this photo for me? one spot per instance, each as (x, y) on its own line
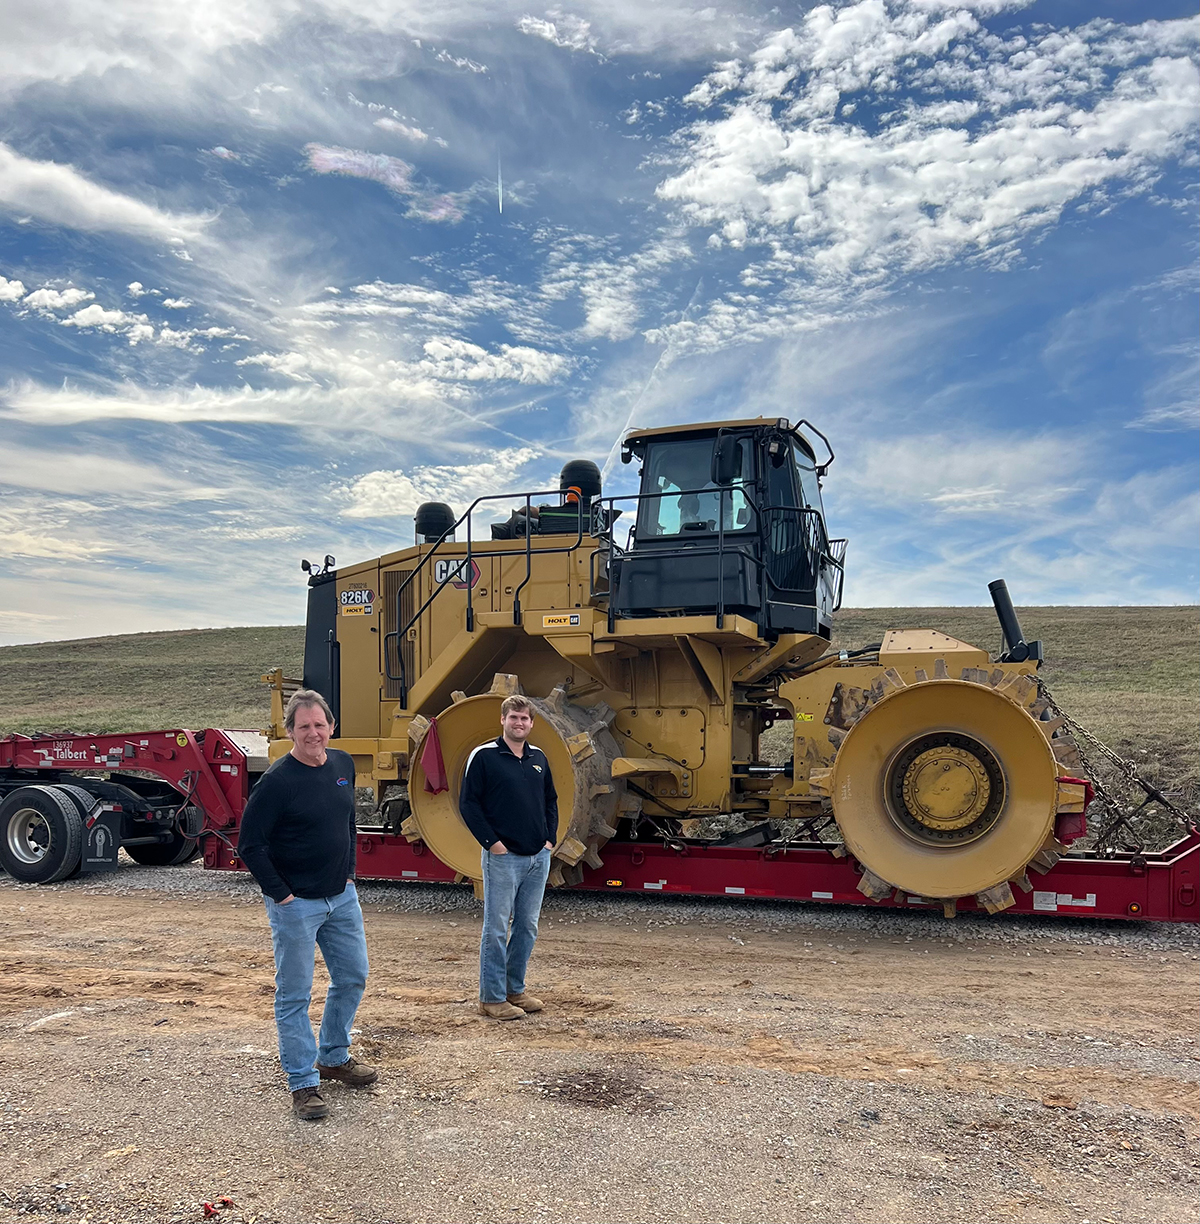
(102, 840)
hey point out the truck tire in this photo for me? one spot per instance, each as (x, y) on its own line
(84, 801)
(172, 853)
(41, 834)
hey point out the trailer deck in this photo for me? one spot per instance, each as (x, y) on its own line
(213, 771)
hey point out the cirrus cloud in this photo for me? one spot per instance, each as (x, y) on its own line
(58, 194)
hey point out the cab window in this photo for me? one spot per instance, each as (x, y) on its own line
(679, 496)
(806, 468)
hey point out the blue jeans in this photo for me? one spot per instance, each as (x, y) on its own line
(335, 925)
(513, 886)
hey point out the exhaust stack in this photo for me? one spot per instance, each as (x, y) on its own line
(1017, 649)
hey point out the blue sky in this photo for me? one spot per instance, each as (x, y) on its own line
(260, 298)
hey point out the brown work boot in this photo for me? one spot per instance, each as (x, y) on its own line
(526, 1002)
(352, 1072)
(308, 1105)
(500, 1011)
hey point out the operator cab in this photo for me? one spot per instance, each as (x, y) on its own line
(729, 520)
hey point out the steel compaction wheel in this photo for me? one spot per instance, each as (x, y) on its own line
(946, 789)
(580, 748)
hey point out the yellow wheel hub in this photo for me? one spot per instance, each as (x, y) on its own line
(944, 789)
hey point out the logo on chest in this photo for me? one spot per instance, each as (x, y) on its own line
(343, 781)
(538, 768)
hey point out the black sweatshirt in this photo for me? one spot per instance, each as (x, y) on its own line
(509, 798)
(298, 831)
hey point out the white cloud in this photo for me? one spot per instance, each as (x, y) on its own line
(428, 310)
(396, 128)
(176, 303)
(566, 30)
(613, 289)
(137, 327)
(168, 46)
(189, 337)
(63, 405)
(57, 194)
(47, 299)
(83, 472)
(956, 476)
(369, 402)
(1182, 414)
(384, 493)
(295, 366)
(11, 290)
(43, 537)
(459, 360)
(836, 208)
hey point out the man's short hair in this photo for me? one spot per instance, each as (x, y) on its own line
(518, 701)
(303, 699)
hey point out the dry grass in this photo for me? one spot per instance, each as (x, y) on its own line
(135, 682)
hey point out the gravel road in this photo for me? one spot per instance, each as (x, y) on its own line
(697, 1061)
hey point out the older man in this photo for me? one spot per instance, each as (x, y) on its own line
(298, 838)
(509, 803)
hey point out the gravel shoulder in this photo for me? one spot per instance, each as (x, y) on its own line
(697, 1061)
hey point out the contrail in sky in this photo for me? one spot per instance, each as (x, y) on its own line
(665, 356)
(499, 185)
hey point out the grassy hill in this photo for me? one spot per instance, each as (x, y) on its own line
(138, 681)
(1130, 674)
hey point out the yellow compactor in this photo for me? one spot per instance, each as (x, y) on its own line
(659, 636)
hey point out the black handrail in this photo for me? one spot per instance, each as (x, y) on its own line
(466, 564)
(334, 663)
(823, 550)
(601, 526)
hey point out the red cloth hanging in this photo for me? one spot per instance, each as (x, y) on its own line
(432, 763)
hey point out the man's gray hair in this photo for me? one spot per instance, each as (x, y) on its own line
(303, 699)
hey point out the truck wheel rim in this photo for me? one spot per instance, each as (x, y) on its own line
(28, 835)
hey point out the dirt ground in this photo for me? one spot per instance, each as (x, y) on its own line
(683, 1071)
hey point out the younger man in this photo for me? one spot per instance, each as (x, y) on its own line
(509, 803)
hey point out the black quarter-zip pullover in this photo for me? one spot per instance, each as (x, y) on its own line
(509, 798)
(299, 833)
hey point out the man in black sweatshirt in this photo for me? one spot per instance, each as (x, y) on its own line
(298, 838)
(509, 803)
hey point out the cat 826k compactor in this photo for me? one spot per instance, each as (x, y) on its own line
(659, 636)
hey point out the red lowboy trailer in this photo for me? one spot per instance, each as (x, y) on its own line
(68, 803)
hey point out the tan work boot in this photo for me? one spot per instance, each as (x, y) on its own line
(500, 1011)
(526, 1002)
(308, 1105)
(352, 1072)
